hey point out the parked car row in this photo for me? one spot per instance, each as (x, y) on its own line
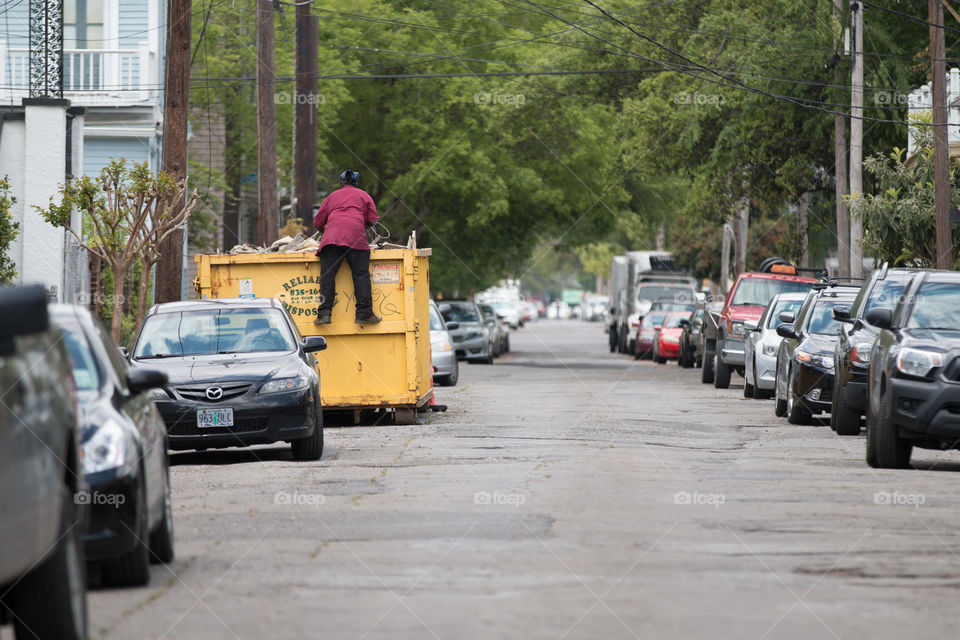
(477, 332)
(883, 353)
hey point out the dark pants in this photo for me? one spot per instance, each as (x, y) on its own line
(331, 256)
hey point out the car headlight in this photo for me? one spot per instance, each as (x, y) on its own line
(106, 448)
(441, 346)
(735, 328)
(158, 394)
(824, 362)
(285, 384)
(916, 362)
(861, 352)
(770, 349)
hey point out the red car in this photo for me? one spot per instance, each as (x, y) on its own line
(646, 334)
(666, 342)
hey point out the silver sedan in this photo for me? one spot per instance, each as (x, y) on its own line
(760, 349)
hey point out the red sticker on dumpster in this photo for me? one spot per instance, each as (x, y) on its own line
(385, 273)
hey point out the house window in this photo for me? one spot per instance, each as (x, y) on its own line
(83, 24)
(82, 42)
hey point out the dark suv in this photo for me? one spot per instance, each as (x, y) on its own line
(913, 389)
(804, 377)
(851, 358)
(42, 564)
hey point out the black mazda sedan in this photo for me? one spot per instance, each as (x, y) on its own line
(240, 374)
(123, 454)
(913, 389)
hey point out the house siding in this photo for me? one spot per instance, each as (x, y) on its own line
(133, 23)
(97, 152)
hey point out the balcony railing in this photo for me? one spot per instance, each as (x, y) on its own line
(90, 76)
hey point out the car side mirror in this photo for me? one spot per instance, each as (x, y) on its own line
(785, 330)
(453, 325)
(124, 352)
(684, 322)
(140, 380)
(750, 325)
(314, 343)
(23, 311)
(880, 318)
(841, 313)
(787, 317)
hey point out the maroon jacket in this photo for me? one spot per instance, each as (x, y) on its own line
(343, 218)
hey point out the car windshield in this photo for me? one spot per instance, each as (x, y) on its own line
(211, 331)
(462, 312)
(821, 320)
(936, 307)
(672, 321)
(85, 371)
(436, 324)
(885, 294)
(773, 321)
(757, 292)
(652, 320)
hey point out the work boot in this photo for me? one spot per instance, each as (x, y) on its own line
(371, 319)
(322, 318)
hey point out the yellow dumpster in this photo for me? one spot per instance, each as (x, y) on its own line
(386, 365)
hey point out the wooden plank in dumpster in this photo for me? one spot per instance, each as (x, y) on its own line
(364, 366)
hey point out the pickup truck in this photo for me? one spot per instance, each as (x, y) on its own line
(724, 332)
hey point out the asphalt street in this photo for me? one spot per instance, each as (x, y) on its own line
(567, 493)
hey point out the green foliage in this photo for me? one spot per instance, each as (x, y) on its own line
(8, 233)
(899, 220)
(492, 172)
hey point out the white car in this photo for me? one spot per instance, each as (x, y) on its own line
(760, 350)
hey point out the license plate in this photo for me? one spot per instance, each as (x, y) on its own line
(214, 418)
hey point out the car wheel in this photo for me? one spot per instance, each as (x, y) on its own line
(871, 448)
(892, 451)
(506, 344)
(706, 371)
(747, 389)
(760, 394)
(780, 404)
(51, 600)
(133, 568)
(721, 379)
(450, 380)
(161, 539)
(797, 413)
(844, 420)
(311, 447)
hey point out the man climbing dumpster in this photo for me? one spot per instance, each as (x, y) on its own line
(343, 218)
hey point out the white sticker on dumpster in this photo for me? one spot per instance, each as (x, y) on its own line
(246, 288)
(385, 273)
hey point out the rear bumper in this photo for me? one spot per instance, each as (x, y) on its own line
(930, 408)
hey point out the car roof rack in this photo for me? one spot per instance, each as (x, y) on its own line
(818, 272)
(830, 283)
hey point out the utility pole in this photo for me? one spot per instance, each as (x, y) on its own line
(840, 169)
(740, 226)
(306, 101)
(941, 146)
(177, 98)
(856, 144)
(269, 205)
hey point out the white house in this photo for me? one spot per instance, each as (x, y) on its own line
(921, 100)
(113, 56)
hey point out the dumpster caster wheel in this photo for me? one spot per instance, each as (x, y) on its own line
(404, 416)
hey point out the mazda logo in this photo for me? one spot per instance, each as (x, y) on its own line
(214, 393)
